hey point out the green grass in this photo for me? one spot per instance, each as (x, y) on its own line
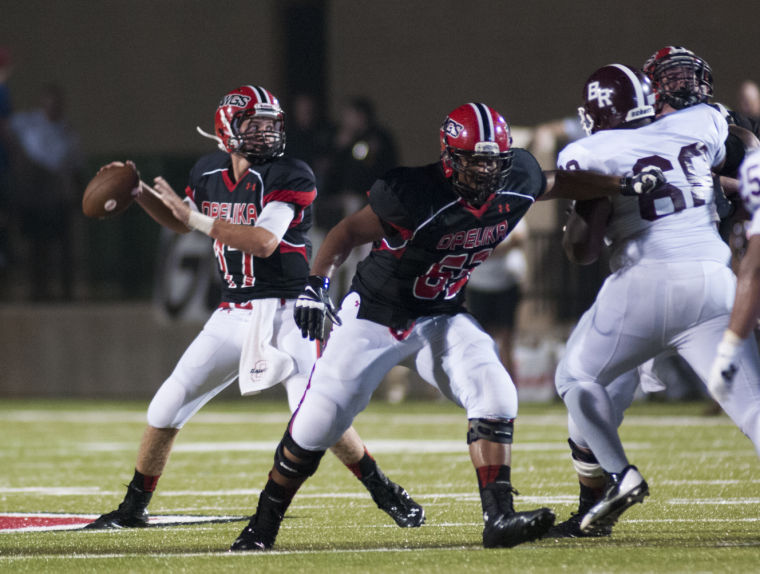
(61, 456)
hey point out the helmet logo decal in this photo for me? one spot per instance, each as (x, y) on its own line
(452, 128)
(236, 100)
(604, 95)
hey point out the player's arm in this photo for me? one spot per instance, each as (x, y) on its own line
(583, 235)
(362, 227)
(258, 240)
(582, 184)
(743, 320)
(159, 212)
(313, 305)
(738, 143)
(744, 315)
(152, 205)
(746, 309)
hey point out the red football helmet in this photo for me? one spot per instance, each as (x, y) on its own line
(679, 77)
(476, 151)
(244, 103)
(614, 97)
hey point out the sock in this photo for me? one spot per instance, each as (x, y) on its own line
(492, 473)
(588, 497)
(278, 494)
(495, 500)
(364, 467)
(144, 483)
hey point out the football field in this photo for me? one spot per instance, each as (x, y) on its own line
(65, 462)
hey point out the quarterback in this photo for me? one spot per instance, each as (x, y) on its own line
(255, 204)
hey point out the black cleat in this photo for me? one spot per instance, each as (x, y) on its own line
(625, 489)
(508, 530)
(132, 512)
(252, 539)
(119, 519)
(262, 530)
(394, 500)
(571, 528)
(505, 528)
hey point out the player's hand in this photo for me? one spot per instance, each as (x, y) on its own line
(646, 181)
(313, 306)
(170, 199)
(724, 367)
(137, 191)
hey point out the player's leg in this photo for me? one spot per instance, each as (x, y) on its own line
(390, 497)
(614, 336)
(461, 360)
(592, 479)
(197, 378)
(339, 388)
(698, 346)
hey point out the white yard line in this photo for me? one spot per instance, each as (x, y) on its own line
(397, 446)
(224, 553)
(362, 495)
(116, 416)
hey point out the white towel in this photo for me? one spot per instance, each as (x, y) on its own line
(648, 379)
(261, 364)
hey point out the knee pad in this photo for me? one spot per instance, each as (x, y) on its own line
(308, 459)
(585, 462)
(492, 430)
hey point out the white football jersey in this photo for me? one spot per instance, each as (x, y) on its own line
(749, 179)
(677, 221)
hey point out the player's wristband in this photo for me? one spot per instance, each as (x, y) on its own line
(730, 343)
(200, 222)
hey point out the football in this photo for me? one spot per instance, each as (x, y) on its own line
(110, 191)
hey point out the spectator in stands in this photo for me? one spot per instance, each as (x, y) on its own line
(749, 99)
(47, 187)
(362, 151)
(5, 112)
(310, 135)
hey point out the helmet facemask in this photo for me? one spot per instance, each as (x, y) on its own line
(480, 173)
(680, 78)
(259, 144)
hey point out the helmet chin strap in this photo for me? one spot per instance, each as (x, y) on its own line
(217, 139)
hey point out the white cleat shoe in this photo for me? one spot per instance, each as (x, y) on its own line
(625, 489)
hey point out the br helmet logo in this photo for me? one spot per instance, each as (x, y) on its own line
(603, 95)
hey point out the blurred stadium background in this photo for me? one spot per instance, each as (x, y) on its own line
(141, 75)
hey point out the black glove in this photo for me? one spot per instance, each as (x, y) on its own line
(313, 306)
(646, 181)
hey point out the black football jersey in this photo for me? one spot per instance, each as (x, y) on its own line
(434, 240)
(289, 180)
